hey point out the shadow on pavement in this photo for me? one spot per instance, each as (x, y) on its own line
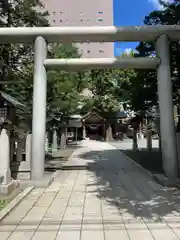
(122, 184)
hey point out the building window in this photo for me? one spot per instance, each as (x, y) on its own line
(100, 20)
(100, 12)
(60, 20)
(60, 12)
(54, 21)
(88, 51)
(101, 51)
(81, 20)
(54, 13)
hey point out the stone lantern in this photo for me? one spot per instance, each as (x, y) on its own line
(8, 118)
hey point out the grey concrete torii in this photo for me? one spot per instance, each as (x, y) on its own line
(40, 36)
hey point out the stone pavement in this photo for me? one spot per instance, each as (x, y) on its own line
(114, 199)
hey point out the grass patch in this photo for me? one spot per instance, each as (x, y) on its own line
(152, 161)
(3, 203)
(5, 200)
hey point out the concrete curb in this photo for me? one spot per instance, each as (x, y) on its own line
(145, 171)
(71, 168)
(4, 212)
(158, 178)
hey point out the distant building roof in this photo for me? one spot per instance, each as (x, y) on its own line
(76, 116)
(117, 114)
(120, 114)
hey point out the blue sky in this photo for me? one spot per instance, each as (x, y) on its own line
(131, 13)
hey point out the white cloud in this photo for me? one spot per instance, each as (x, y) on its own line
(157, 5)
(119, 51)
(128, 51)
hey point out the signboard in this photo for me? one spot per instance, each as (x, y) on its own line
(75, 123)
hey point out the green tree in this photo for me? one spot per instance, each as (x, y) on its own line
(18, 61)
(144, 86)
(62, 88)
(15, 57)
(109, 88)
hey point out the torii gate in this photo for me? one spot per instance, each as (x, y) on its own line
(41, 35)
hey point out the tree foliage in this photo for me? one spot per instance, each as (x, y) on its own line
(109, 88)
(144, 87)
(63, 89)
(16, 56)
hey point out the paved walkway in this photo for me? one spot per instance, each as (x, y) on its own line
(111, 200)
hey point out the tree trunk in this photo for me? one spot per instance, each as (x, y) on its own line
(63, 138)
(109, 136)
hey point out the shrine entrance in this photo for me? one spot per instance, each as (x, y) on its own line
(94, 125)
(160, 35)
(94, 131)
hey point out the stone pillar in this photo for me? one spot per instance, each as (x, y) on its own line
(140, 135)
(25, 166)
(39, 109)
(28, 150)
(84, 132)
(76, 135)
(5, 173)
(149, 140)
(54, 143)
(135, 145)
(12, 150)
(46, 142)
(167, 126)
(19, 151)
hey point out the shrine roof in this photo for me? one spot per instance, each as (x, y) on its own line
(12, 101)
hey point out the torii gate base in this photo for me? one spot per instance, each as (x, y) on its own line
(95, 34)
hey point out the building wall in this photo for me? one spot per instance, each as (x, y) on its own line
(83, 13)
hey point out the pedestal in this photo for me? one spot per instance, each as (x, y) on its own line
(19, 151)
(25, 166)
(6, 183)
